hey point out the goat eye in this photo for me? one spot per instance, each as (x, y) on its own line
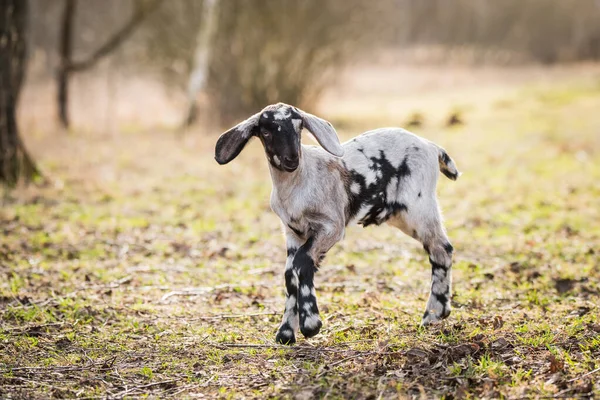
(266, 133)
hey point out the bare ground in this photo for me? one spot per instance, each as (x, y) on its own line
(144, 269)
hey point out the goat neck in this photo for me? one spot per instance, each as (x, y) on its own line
(284, 182)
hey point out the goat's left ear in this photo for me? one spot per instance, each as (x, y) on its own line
(323, 131)
(232, 142)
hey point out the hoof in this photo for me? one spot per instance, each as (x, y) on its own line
(434, 316)
(438, 308)
(285, 336)
(311, 326)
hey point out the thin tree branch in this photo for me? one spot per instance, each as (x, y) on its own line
(117, 38)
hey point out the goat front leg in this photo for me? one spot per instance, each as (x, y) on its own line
(289, 325)
(306, 262)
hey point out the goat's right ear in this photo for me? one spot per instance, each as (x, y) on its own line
(231, 143)
(323, 131)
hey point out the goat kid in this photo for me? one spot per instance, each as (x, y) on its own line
(385, 175)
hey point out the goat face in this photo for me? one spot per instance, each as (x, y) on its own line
(278, 126)
(279, 131)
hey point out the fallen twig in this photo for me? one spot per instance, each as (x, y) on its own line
(99, 366)
(37, 383)
(584, 375)
(343, 360)
(111, 285)
(133, 389)
(231, 316)
(199, 291)
(30, 327)
(259, 346)
(363, 354)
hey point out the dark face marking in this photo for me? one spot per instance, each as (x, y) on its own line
(279, 132)
(374, 195)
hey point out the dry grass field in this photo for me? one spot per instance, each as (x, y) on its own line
(144, 269)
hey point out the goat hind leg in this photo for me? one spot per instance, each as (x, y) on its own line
(440, 257)
(430, 232)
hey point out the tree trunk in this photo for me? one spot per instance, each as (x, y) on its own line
(15, 162)
(199, 73)
(66, 51)
(68, 66)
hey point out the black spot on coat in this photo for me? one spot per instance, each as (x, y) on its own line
(374, 195)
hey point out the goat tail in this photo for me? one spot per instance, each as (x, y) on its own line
(447, 166)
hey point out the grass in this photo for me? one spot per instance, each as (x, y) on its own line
(146, 269)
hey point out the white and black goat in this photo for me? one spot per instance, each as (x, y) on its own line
(385, 175)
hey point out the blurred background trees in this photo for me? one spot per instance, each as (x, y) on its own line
(289, 50)
(545, 31)
(239, 55)
(262, 51)
(68, 66)
(285, 50)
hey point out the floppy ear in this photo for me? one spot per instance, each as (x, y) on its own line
(231, 143)
(323, 131)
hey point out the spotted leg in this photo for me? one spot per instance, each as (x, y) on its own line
(306, 262)
(440, 257)
(289, 325)
(310, 323)
(423, 222)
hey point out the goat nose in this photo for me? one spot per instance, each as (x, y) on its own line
(290, 160)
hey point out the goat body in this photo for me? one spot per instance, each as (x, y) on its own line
(385, 175)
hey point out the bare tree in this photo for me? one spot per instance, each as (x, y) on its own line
(65, 51)
(68, 66)
(244, 54)
(15, 162)
(172, 38)
(199, 74)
